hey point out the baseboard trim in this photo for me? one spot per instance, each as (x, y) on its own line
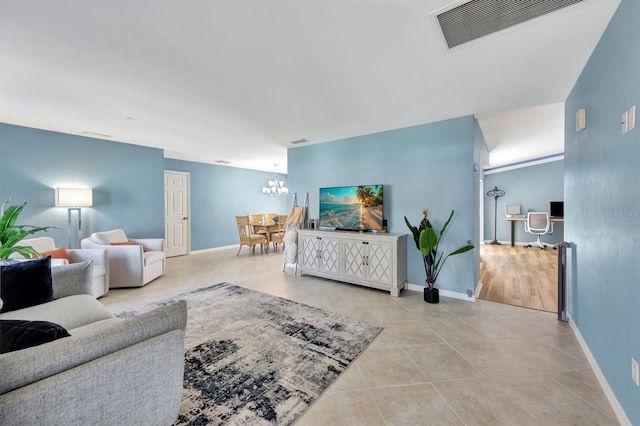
(611, 397)
(445, 293)
(213, 249)
(520, 243)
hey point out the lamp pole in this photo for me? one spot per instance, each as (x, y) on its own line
(495, 193)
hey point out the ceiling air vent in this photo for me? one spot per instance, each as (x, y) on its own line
(223, 162)
(478, 18)
(298, 141)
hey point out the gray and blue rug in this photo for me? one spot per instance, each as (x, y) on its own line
(256, 359)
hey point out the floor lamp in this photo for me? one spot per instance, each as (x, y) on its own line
(495, 193)
(74, 199)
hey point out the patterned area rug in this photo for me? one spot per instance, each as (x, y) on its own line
(256, 359)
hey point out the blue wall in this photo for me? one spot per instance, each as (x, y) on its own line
(127, 181)
(427, 166)
(602, 205)
(532, 187)
(218, 195)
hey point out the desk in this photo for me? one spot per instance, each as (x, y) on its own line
(514, 219)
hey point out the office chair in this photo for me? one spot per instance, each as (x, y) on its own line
(538, 223)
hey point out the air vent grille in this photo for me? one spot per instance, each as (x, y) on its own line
(223, 162)
(479, 18)
(298, 141)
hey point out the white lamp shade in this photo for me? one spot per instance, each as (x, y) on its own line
(74, 197)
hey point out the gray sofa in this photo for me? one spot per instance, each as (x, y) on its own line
(110, 371)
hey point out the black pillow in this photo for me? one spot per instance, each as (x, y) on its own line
(24, 284)
(20, 334)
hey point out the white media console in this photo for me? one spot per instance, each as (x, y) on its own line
(377, 260)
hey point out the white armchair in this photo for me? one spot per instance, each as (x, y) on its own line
(100, 269)
(132, 262)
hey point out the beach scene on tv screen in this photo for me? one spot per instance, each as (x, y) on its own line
(351, 207)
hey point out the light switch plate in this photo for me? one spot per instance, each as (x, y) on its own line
(581, 119)
(632, 118)
(625, 122)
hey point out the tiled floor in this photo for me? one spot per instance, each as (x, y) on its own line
(455, 363)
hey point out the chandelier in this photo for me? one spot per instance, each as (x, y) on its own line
(276, 187)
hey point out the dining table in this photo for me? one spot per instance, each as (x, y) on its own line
(266, 226)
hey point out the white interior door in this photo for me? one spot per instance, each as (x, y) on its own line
(176, 211)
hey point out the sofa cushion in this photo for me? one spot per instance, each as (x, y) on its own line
(70, 312)
(24, 284)
(20, 334)
(151, 257)
(108, 237)
(74, 278)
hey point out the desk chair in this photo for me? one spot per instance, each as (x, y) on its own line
(538, 223)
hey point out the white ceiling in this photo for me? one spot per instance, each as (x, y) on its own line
(238, 80)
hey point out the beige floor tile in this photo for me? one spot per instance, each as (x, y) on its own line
(390, 376)
(350, 379)
(518, 400)
(407, 333)
(414, 405)
(352, 408)
(388, 367)
(584, 384)
(389, 313)
(510, 356)
(439, 361)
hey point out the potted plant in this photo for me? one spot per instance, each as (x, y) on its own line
(11, 234)
(427, 241)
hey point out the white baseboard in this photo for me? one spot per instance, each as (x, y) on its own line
(615, 404)
(445, 293)
(213, 249)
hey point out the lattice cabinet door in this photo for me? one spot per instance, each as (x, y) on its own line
(330, 256)
(309, 253)
(354, 258)
(380, 262)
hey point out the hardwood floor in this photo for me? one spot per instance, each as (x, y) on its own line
(520, 276)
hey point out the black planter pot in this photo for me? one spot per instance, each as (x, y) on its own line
(431, 295)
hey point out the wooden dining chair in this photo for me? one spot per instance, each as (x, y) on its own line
(257, 218)
(247, 237)
(269, 216)
(277, 237)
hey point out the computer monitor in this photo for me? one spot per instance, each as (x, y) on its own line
(556, 208)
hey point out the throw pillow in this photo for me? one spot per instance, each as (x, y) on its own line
(21, 334)
(71, 279)
(59, 253)
(24, 284)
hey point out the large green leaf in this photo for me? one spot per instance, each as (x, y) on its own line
(11, 234)
(462, 250)
(444, 228)
(428, 241)
(414, 231)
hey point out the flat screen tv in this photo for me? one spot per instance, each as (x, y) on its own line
(353, 208)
